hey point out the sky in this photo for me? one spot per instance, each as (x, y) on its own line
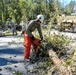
(66, 1)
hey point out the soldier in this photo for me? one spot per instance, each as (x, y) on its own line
(28, 36)
(13, 27)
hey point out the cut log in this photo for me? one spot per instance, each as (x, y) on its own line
(60, 64)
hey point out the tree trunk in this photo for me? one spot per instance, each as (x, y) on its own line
(60, 64)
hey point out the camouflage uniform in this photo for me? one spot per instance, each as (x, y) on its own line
(32, 26)
(13, 27)
(28, 34)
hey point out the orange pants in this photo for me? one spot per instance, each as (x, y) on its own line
(27, 44)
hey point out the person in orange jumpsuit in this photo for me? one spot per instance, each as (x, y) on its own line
(29, 38)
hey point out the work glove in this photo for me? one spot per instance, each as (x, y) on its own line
(41, 38)
(33, 38)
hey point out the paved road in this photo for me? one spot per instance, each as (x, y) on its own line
(11, 53)
(11, 50)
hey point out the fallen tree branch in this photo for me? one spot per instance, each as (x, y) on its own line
(60, 64)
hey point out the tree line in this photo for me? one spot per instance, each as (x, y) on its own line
(29, 9)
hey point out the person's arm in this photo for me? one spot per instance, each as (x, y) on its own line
(40, 32)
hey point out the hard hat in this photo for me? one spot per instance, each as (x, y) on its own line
(41, 18)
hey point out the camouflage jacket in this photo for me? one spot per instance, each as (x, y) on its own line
(32, 26)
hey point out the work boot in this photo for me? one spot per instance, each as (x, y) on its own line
(26, 60)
